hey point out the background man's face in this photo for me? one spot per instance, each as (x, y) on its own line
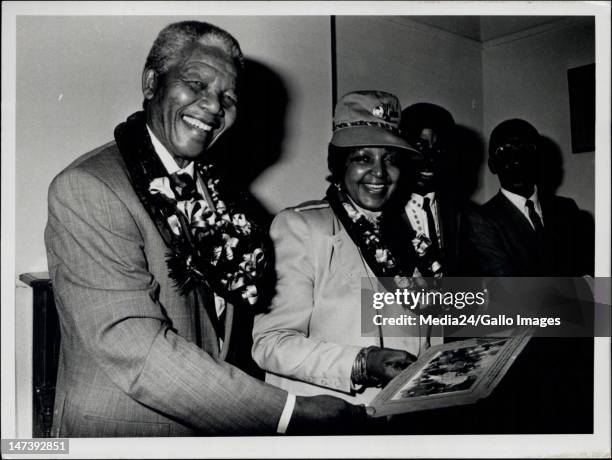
(516, 165)
(426, 170)
(194, 102)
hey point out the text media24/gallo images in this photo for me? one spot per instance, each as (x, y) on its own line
(466, 320)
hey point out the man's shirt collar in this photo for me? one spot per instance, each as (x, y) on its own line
(520, 201)
(417, 200)
(168, 160)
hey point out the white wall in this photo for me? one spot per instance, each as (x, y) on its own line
(79, 76)
(525, 76)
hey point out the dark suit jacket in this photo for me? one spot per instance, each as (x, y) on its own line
(501, 242)
(137, 358)
(535, 396)
(450, 216)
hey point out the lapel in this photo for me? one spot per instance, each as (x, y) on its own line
(349, 261)
(142, 163)
(523, 245)
(229, 320)
(206, 322)
(411, 232)
(551, 219)
(407, 255)
(519, 228)
(210, 326)
(448, 216)
(448, 225)
(555, 232)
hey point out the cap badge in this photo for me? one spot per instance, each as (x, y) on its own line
(384, 112)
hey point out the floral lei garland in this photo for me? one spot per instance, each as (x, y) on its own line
(367, 235)
(214, 241)
(215, 246)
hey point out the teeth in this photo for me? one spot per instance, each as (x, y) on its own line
(196, 123)
(375, 187)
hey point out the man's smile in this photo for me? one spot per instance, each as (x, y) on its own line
(198, 124)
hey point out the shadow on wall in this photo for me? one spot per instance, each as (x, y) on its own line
(550, 168)
(550, 177)
(586, 227)
(254, 144)
(461, 175)
(255, 141)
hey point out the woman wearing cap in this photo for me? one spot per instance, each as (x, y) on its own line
(310, 341)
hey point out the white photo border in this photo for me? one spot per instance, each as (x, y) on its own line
(478, 446)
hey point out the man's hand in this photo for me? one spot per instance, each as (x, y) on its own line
(383, 364)
(327, 415)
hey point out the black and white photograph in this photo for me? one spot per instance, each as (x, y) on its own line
(194, 194)
(452, 370)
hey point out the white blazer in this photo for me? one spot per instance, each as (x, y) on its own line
(308, 340)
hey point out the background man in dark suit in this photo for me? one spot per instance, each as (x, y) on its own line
(146, 305)
(431, 208)
(523, 233)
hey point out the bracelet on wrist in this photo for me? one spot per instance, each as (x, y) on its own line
(359, 372)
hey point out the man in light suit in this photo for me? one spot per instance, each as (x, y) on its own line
(139, 355)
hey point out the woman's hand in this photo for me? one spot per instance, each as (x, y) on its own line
(383, 364)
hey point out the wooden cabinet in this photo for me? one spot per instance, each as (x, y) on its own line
(46, 341)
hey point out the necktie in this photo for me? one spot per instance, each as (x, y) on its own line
(183, 185)
(431, 224)
(534, 217)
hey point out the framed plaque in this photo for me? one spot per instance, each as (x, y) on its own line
(451, 374)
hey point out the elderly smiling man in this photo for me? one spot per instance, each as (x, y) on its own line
(151, 261)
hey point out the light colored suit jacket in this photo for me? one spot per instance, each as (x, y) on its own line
(130, 364)
(308, 340)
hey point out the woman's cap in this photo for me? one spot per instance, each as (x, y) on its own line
(369, 119)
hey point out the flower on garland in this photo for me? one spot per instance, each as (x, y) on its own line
(162, 186)
(423, 247)
(370, 235)
(381, 255)
(242, 225)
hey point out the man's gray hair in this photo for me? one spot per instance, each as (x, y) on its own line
(175, 37)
